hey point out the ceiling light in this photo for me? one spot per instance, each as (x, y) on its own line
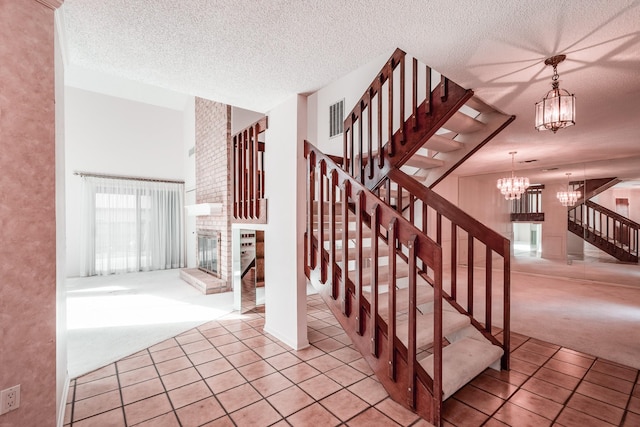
(513, 187)
(558, 108)
(569, 197)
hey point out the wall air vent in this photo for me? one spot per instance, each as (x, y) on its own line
(336, 118)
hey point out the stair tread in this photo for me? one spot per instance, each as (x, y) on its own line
(451, 322)
(423, 162)
(424, 296)
(442, 144)
(462, 361)
(462, 123)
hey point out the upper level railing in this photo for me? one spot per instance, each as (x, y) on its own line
(426, 210)
(620, 232)
(528, 208)
(248, 173)
(391, 120)
(330, 188)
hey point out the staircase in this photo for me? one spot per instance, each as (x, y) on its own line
(606, 230)
(412, 305)
(435, 125)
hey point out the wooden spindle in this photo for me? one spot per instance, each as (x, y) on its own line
(380, 151)
(359, 214)
(411, 347)
(373, 312)
(310, 200)
(391, 327)
(402, 95)
(346, 193)
(454, 260)
(470, 274)
(428, 92)
(255, 175)
(321, 219)
(414, 95)
(370, 136)
(390, 148)
(488, 288)
(332, 233)
(250, 187)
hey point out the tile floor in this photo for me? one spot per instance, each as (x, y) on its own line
(229, 372)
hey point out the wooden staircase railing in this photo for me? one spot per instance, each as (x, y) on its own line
(606, 230)
(249, 204)
(381, 132)
(396, 366)
(426, 210)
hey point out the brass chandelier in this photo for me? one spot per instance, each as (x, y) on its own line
(557, 109)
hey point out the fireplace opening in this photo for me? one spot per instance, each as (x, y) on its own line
(209, 252)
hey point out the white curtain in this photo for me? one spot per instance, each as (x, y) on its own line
(131, 225)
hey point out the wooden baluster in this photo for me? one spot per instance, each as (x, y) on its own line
(439, 228)
(345, 149)
(311, 191)
(235, 176)
(411, 347)
(387, 191)
(390, 148)
(412, 200)
(444, 88)
(245, 185)
(360, 206)
(346, 193)
(332, 233)
(470, 274)
(488, 289)
(506, 306)
(399, 199)
(360, 148)
(454, 261)
(375, 230)
(370, 136)
(391, 327)
(321, 219)
(352, 150)
(402, 95)
(437, 335)
(425, 226)
(380, 151)
(428, 93)
(256, 191)
(250, 151)
(414, 95)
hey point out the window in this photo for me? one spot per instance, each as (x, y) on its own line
(131, 225)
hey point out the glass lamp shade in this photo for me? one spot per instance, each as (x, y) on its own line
(568, 198)
(556, 110)
(513, 187)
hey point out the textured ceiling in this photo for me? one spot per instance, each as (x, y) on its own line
(256, 53)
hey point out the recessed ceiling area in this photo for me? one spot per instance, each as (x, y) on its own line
(255, 54)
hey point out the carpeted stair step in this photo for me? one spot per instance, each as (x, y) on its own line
(451, 322)
(424, 295)
(462, 361)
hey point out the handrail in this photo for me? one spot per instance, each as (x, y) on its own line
(616, 229)
(389, 138)
(324, 180)
(476, 231)
(248, 171)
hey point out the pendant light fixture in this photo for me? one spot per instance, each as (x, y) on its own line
(513, 187)
(557, 109)
(569, 197)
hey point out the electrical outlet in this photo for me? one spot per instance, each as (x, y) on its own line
(9, 399)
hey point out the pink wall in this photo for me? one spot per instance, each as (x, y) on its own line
(27, 211)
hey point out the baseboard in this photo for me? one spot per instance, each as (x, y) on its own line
(285, 340)
(63, 401)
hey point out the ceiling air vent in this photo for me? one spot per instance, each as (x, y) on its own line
(336, 118)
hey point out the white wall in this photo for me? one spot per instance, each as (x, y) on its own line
(116, 136)
(241, 118)
(285, 281)
(350, 88)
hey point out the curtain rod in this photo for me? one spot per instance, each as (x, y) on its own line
(130, 178)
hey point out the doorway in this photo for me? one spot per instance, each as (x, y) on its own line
(251, 269)
(527, 239)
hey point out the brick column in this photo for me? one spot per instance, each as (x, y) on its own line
(213, 174)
